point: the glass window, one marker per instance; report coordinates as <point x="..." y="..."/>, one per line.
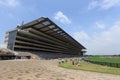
<point x="46" y="23"/>
<point x="52" y="26"/>
<point x="56" y="29"/>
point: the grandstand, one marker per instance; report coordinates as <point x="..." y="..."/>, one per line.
<point x="44" y="37"/>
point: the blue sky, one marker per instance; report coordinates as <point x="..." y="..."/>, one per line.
<point x="94" y="23"/>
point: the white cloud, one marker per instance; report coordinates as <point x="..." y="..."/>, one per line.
<point x="105" y="42"/>
<point x="59" y="16"/>
<point x="3" y="46"/>
<point x="104" y="4"/>
<point x="92" y="5"/>
<point x="81" y="36"/>
<point x="99" y="25"/>
<point x="9" y="3"/>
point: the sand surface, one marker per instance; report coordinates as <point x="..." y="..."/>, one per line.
<point x="46" y="70"/>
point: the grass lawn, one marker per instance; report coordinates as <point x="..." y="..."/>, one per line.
<point x="104" y="59"/>
<point x="91" y="67"/>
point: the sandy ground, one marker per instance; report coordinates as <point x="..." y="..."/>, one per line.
<point x="46" y="70"/>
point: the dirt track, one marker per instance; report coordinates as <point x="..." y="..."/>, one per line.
<point x="46" y="70"/>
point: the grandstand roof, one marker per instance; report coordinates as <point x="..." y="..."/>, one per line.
<point x="45" y="25"/>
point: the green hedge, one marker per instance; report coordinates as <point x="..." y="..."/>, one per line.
<point x="117" y="65"/>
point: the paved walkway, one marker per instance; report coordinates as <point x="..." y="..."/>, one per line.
<point x="46" y="70"/>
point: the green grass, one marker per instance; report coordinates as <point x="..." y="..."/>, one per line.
<point x="104" y="59"/>
<point x="91" y="67"/>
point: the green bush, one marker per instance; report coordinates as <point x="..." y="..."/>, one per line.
<point x="104" y="61"/>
